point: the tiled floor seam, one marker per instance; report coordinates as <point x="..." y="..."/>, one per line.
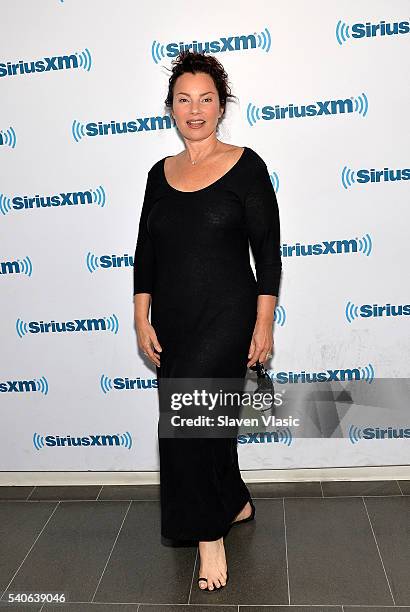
<point x="112" y="548"/>
<point x="29" y="550"/>
<point x="378" y="550"/>
<point x="286" y="548"/>
<point x="138" y="604"/>
<point x="321" y="488"/>
<point x="157" y="500"/>
<point x="30" y="493"/>
<point x="193" y="575"/>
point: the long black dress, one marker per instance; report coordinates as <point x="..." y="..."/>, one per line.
<point x="192" y="256"/>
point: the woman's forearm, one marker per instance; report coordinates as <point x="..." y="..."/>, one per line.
<point x="262" y="337"/>
<point x="142" y="303"/>
<point x="266" y="308"/>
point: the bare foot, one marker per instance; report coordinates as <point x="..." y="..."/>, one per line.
<point x="212" y="565"/>
<point x="244" y="513"/>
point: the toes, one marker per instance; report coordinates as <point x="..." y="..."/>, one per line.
<point x="215" y="583"/>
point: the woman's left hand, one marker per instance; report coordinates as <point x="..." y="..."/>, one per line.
<point x="262" y="342"/>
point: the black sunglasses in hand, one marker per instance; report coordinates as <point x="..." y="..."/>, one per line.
<point x="265" y="384"/>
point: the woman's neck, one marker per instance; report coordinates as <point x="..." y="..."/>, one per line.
<point x="196" y="151"/>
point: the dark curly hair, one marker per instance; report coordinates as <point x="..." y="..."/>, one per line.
<point x="193" y="61"/>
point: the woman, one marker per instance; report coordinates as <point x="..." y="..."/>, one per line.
<point x="209" y="316"/>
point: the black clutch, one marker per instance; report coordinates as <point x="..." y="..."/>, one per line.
<point x="264" y="387"/>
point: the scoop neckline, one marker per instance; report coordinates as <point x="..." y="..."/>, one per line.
<point x="245" y="149"/>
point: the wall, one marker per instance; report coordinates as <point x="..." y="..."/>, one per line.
<point x="341" y="174"/>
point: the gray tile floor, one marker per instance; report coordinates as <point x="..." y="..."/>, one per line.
<point x="314" y="545"/>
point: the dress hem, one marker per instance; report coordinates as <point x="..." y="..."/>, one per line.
<point x="209" y="538"/>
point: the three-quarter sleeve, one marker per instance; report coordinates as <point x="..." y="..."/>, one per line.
<point x="144" y="258"/>
<point x="263" y="229"/>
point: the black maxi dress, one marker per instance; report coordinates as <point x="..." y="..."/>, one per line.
<point x="192" y="256"/>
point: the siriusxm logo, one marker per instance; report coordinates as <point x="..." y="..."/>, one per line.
<point x="244" y="42"/>
<point x="283" y="436"/>
<point x="126" y="384"/>
<point x="279" y="315"/>
<point x="141" y="124"/>
<point x="124" y="439"/>
<point x="80" y="59"/>
<point x="77" y="325"/>
<point x="89" y="196"/>
<point x="359" y="373"/>
<point x="274" y="179"/>
<point x="365" y="175"/>
<point x="18" y="266"/>
<point x="103" y="262"/>
<point x="34" y="385"/>
<point x="377" y="433"/>
<point x="329" y="247"/>
<point x="345" y="31"/>
<point x="8" y="138"/>
<point x="352" y="311"/>
<point x="357" y="104"/>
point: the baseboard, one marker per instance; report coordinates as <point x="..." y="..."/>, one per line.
<point x="388" y="472"/>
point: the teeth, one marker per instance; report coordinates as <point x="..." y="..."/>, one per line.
<point x="197" y="121"/>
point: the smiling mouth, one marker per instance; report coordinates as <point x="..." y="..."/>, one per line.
<point x="196" y="123"/>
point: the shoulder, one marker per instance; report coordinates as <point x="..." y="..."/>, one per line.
<point x="250" y="156"/>
<point x="158" y="166"/>
<point x="155" y="171"/>
<point x="255" y="175"/>
<point x="257" y="170"/>
<point x="255" y="159"/>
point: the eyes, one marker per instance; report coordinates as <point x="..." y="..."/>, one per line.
<point x="204" y="99"/>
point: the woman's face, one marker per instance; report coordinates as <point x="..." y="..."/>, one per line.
<point x="196" y="107"/>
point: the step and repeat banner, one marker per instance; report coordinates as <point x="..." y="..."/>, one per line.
<point x="323" y="97"/>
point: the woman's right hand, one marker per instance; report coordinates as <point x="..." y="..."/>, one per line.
<point x="147" y="340"/>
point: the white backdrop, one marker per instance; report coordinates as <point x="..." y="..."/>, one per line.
<point x="61" y="262"/>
